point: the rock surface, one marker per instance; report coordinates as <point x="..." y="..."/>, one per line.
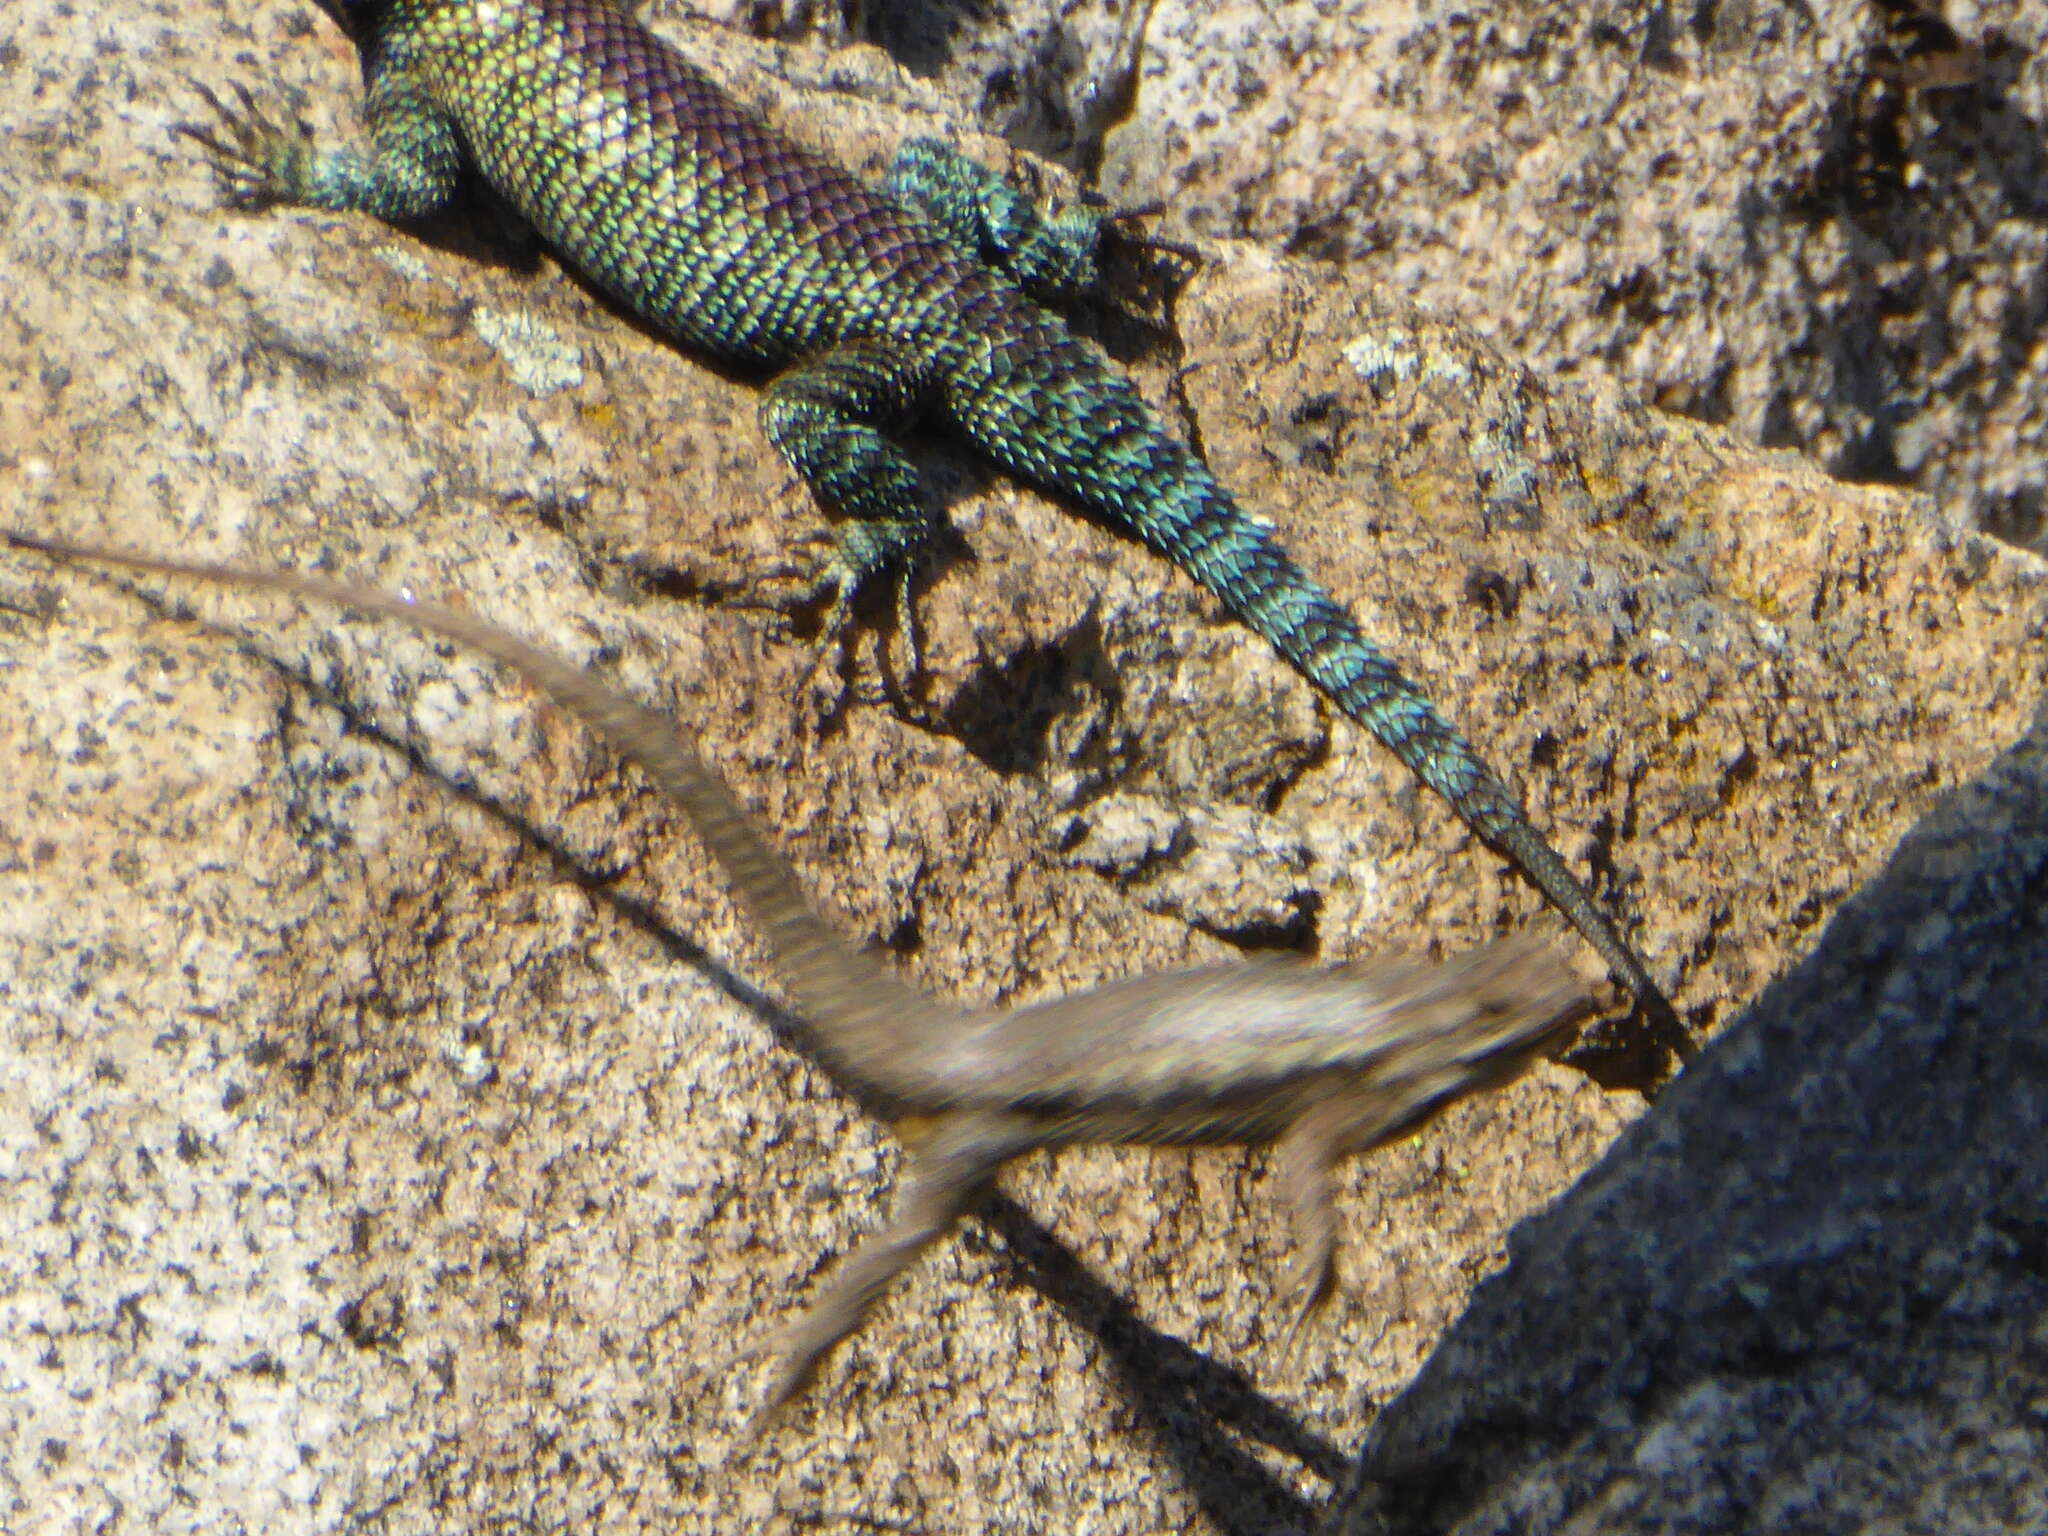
<point x="391" y="1125"/>
<point x="1810" y="1291"/>
<point x="1820" y="225"/>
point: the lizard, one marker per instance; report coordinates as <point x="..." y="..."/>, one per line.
<point x="1320" y="1062"/>
<point x="864" y="308"/>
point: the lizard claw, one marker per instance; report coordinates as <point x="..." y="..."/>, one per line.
<point x="256" y="161"/>
<point x="788" y="1376"/>
<point x="727" y="1361"/>
<point x="817" y="578"/>
<point x="778" y="609"/>
<point x="827" y="585"/>
<point x="785" y="595"/>
<point x="798" y="589"/>
<point x="1312" y="1279"/>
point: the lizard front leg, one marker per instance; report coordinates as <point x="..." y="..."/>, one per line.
<point x="412" y="167"/>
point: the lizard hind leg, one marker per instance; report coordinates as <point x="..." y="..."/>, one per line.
<point x="951" y="1166"/>
<point x="829" y="418"/>
<point x="1307" y="1154"/>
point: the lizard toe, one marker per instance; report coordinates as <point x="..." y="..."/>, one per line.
<point x="256" y="161"/>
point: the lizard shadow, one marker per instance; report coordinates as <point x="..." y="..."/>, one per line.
<point x="1201" y="1412"/>
<point x="1204" y="1415"/>
<point x="1940" y="144"/>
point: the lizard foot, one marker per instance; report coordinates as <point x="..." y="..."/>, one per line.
<point x="728" y="1361"/>
<point x="830" y="587"/>
<point x="1142" y="240"/>
<point x="256" y="161"/>
<point x="789" y="1374"/>
<point x="1312" y="1281"/>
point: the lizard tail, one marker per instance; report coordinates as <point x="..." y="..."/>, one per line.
<point x="1237" y="560"/>
<point x="857" y="1014"/>
<point x="1086" y="433"/>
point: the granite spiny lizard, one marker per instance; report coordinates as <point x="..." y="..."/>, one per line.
<point x="868" y="306"/>
<point x="1321" y="1062"/>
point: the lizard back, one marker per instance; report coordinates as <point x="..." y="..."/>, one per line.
<point x="643" y="173"/>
